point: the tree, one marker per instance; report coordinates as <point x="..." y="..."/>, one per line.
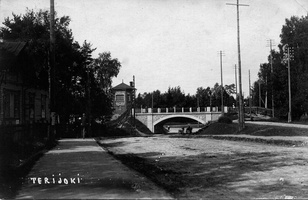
<point x="294" y="33"/>
<point x="78" y="75"/>
<point x="175" y="97"/>
<point x="204" y="95"/>
<point x="230" y="89"/>
<point x="33" y="29"/>
<point x="105" y="68"/>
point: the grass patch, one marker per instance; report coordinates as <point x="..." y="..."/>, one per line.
<point x="260" y="140"/>
<point x="252" y="129"/>
<point x="218" y="128"/>
<point x="140" y="126"/>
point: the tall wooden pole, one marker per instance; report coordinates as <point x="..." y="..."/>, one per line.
<point x="52" y="72"/>
<point x="235" y="86"/>
<point x="272" y="77"/>
<point x="249" y="96"/>
<point x="222" y="86"/>
<point x="241" y="121"/>
<point x="241" y="108"/>
<point x="289" y="83"/>
<point x="134" y="100"/>
<point x="89" y="116"/>
<point x="259" y="93"/>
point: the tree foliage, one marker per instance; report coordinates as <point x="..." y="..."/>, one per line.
<point x="175" y="97"/>
<point x="76" y="70"/>
<point x="294" y="33"/>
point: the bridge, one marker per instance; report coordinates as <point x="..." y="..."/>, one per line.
<point x="152" y="117"/>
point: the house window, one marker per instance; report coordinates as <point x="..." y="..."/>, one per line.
<point x="120" y="98"/>
<point x="31" y="105"/>
<point x="16" y="105"/>
<point x="11" y="104"/>
<point x="128" y="97"/>
<point x="43" y="106"/>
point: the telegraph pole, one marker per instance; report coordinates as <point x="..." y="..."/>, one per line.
<point x="222" y="86"/>
<point x="260" y="95"/>
<point x="134" y="101"/>
<point x="235" y="86"/>
<point x="272" y="74"/>
<point x="249" y="94"/>
<point x="289" y="81"/>
<point x="265" y="103"/>
<point x="241" y="106"/>
<point x="52" y="72"/>
<point x="89" y="115"/>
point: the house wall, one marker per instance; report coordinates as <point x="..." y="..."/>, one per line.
<point x="121" y="107"/>
<point x="22" y="106"/>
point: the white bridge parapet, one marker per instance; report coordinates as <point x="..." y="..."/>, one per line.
<point x="150" y="117"/>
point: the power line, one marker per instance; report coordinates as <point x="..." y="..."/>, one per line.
<point x="301" y="5"/>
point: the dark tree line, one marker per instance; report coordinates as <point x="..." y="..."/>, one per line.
<point x="175" y="97"/>
<point x="294" y="33"/>
<point x="83" y="83"/>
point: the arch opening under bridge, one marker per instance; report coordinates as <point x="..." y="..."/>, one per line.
<point x="175" y="123"/>
<point x="151" y="119"/>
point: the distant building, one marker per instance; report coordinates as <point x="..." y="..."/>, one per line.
<point x="123" y="98"/>
<point x="20" y="101"/>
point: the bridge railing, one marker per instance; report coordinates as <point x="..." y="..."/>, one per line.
<point x="180" y="110"/>
<point x="254" y="110"/>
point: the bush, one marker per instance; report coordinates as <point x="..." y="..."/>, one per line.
<point x="225" y="120"/>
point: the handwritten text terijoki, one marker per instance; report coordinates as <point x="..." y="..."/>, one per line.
<point x="55" y="180"/>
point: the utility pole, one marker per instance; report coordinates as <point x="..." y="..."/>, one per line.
<point x="241" y="106"/>
<point x="51" y="74"/>
<point x="89" y="117"/>
<point x="272" y="75"/>
<point x="259" y="93"/>
<point x="235" y="86"/>
<point x="222" y="86"/>
<point x="289" y="81"/>
<point x="134" y="101"/>
<point x="152" y="111"/>
<point x="265" y="103"/>
<point x="249" y="95"/>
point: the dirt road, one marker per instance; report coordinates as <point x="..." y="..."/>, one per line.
<point x="216" y="169"/>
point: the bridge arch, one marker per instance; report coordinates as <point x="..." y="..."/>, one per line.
<point x="176" y="116"/>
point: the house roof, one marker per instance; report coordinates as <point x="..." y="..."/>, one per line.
<point x="8" y="53"/>
<point x="12" y="47"/>
<point x="123" y="86"/>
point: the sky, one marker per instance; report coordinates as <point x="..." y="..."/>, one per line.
<point x="170" y="43"/>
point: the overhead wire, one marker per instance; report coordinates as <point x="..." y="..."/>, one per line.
<point x="301" y="5"/>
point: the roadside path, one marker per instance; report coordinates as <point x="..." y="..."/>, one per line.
<point x="81" y="169"/>
<point x="277" y="124"/>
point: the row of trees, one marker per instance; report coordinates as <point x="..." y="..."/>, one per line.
<point x="294" y="33"/>
<point x="78" y="75"/>
<point x="175" y="97"/>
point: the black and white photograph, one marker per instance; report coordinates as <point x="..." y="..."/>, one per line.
<point x="153" y="99"/>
